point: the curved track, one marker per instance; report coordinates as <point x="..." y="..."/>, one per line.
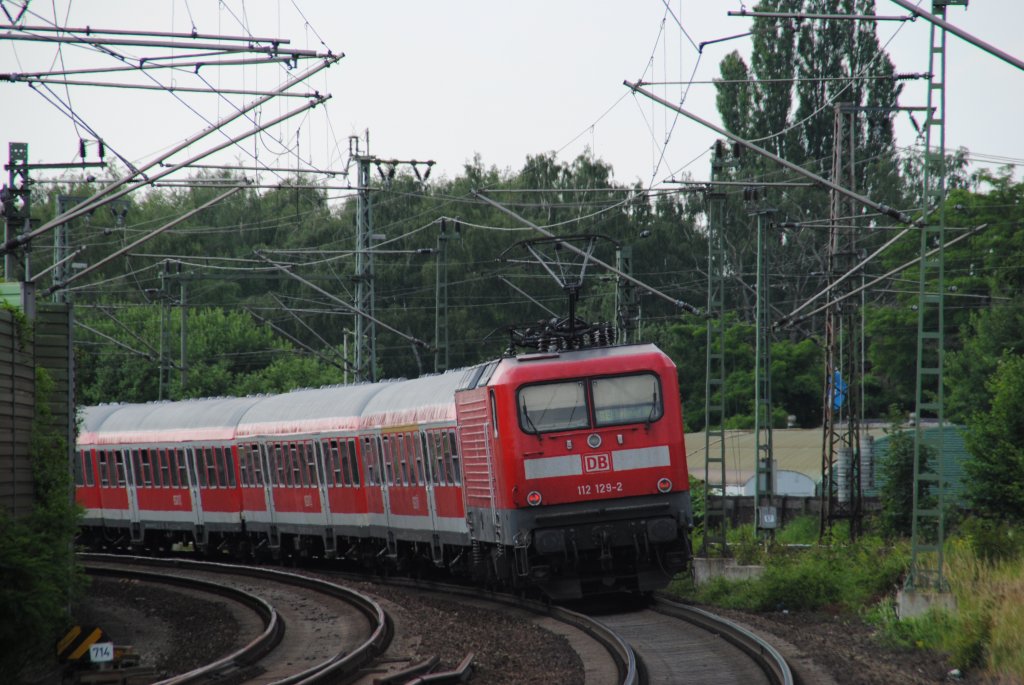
<point x="314" y="631"/>
<point x="679" y="644"/>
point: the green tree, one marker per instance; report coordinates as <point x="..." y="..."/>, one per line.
<point x="995" y="439"/>
<point x="896" y="473"/>
<point x="38" y="573"/>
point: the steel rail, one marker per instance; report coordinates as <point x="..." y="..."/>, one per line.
<point x="619" y="650"/>
<point x="335" y="669"/>
<point x="246" y="655"/>
<point x="767" y="657"/>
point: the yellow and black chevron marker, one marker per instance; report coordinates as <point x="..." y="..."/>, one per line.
<point x="76" y="643"/>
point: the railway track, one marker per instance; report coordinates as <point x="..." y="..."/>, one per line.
<point x="312" y="631"/>
<point x="675" y="643"/>
<point x="664" y="642"/>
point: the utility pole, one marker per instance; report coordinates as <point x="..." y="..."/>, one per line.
<point x="441" y="349"/>
<point x="366" y="332"/>
<point x="626" y="301"/>
<point x="714" y="386"/>
<point x="841" y="452"/>
<point x="928" y="527"/>
<point x="62" y="246"/>
<point x="764" y="462"/>
<point x="165" y="332"/>
<point x="365" y="299"/>
<point x="17" y="205"/>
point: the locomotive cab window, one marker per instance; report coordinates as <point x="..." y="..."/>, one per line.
<point x="627" y="399"/>
<point x="550" y="407"/>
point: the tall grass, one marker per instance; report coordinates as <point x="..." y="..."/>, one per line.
<point x="987" y="628"/>
<point x="837" y="577"/>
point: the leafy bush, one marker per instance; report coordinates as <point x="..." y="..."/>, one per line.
<point x="38" y="573"/>
<point x="987" y="628"/>
<point x="802" y="530"/>
<point x="834" y="578"/>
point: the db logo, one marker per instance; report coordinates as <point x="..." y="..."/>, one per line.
<point x="596" y="462"/>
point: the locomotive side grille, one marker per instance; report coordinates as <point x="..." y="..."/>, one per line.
<point x="473" y="434"/>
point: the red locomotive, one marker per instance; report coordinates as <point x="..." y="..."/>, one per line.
<point x="562" y="470"/>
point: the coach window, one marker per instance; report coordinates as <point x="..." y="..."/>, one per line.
<point x="79" y="470"/>
<point x="211" y="467"/>
<point x="403" y="458"/>
<point x="177" y="472"/>
<point x="165" y="468"/>
<point x="435" y="441"/>
<point x="417" y="449"/>
<point x="136" y="467"/>
<point x="180" y="456"/>
<point x="371" y="474"/>
<point x="316" y="476"/>
<point x="446" y="448"/>
<point x="150" y="467"/>
<point x="102" y="460"/>
<point x="342" y="467"/>
<point x="299" y="465"/>
<point x="255" y="466"/>
<point x="119" y="468"/>
<point x="172" y="469"/>
<point x="244" y="474"/>
<point x="352" y="465"/>
<point x="627" y="399"/>
<point x="229" y="461"/>
<point x="221" y="466"/>
<point x="87" y="472"/>
<point x="553" y="407"/>
<point x="456" y="470"/>
<point x="384" y="460"/>
<point x="278" y="467"/>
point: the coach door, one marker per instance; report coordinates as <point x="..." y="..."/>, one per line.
<point x="424" y="466"/>
<point x="323" y="470"/>
<point x="271" y="478"/>
<point x="193" y="491"/>
<point x="126" y="479"/>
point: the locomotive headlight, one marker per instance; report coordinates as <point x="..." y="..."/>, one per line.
<point x="594" y="440"/>
<point x="534" y="499"/>
<point x="664" y="485"/>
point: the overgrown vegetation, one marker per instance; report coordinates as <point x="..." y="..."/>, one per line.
<point x="38" y="574"/>
<point x="985" y="570"/>
<point x="837" y="577"/>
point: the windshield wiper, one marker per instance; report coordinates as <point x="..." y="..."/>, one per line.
<point x="654" y="406"/>
<point x="526" y="415"/>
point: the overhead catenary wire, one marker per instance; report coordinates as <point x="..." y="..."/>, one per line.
<point x="572" y="248"/>
<point x="110" y="193"/>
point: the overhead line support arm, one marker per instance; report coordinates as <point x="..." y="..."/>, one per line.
<point x="572" y="248"/>
<point x="902" y="217"/>
<point x="977" y="42"/>
<point x="97" y="199"/>
<point x="285" y="270"/>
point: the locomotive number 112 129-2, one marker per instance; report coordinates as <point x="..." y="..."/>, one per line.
<point x="599" y="488"/>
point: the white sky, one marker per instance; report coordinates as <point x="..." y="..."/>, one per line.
<point x="444" y="80"/>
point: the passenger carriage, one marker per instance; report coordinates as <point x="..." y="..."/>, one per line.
<point x="564" y="470"/>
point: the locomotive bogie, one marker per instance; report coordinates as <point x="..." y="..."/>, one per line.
<point x="564" y="471"/>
